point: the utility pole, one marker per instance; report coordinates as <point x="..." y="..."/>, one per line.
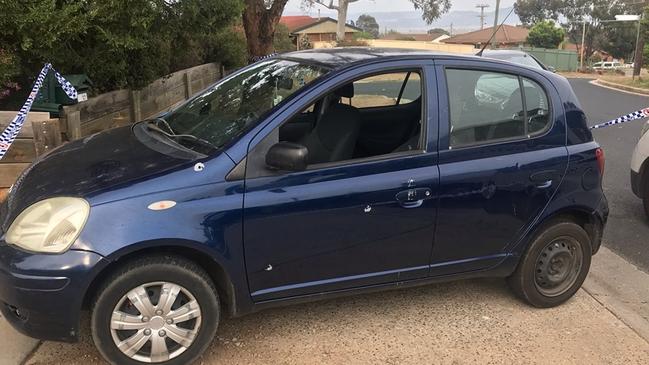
<point x="451" y="32"/>
<point x="639" y="50"/>
<point x="493" y="41"/>
<point x="482" y="16"/>
<point x="581" y="49"/>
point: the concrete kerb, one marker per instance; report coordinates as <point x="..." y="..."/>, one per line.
<point x="620" y="87"/>
<point x="622" y="289"/>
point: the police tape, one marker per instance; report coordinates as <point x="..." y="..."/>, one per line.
<point x="13" y="129"/>
<point x="644" y="113"/>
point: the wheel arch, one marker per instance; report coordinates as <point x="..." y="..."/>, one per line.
<point x="193" y="252"/>
<point x="643" y="175"/>
<point x="582" y="216"/>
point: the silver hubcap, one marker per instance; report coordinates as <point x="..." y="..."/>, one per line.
<point x="155" y="322"/>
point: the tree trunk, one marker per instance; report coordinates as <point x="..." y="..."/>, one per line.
<point x="259" y="25"/>
<point x="342" y="19"/>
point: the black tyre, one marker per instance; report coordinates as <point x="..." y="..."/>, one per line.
<point x="645" y="200"/>
<point x="554" y="265"/>
<point x="161" y="309"/>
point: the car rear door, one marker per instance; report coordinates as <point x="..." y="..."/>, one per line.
<point x="356" y="223"/>
<point x="502" y="157"/>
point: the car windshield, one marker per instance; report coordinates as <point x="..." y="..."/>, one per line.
<point x="223" y="111"/>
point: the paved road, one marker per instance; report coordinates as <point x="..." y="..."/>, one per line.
<point x="627" y="232"/>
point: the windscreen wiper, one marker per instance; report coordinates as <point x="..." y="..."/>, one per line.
<point x="152" y="125"/>
<point x="157" y="120"/>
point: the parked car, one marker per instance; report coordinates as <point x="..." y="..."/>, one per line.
<point x="606" y="66"/>
<point x="304" y="176"/>
<point x="640" y="168"/>
<point x="520" y="57"/>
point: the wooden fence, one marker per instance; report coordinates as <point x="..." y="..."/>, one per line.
<point x="116" y="108"/>
<point x="123" y="107"/>
<point x="38" y="135"/>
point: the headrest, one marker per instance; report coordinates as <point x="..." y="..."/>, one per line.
<point x="346" y="91"/>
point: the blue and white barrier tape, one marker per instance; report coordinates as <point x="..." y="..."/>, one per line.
<point x="13" y="129"/>
<point x="644" y="113"/>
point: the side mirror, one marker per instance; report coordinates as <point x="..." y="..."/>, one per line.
<point x="552" y="69"/>
<point x="287" y="156"/>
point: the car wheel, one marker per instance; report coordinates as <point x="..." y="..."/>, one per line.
<point x="162" y="309"/>
<point x="554" y="266"/>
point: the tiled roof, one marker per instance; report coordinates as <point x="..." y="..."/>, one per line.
<point x="507" y="34"/>
<point x="297" y="21"/>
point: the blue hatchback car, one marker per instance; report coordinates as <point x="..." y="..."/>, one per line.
<point x="304" y="176"/>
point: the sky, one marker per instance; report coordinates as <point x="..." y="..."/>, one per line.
<point x="369" y="6"/>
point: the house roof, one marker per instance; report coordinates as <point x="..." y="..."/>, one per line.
<point x="304" y="28"/>
<point x="426" y="37"/>
<point x="301" y="24"/>
<point x="297" y="21"/>
<point x="507" y="34"/>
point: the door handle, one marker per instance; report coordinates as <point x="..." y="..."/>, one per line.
<point x="543" y="179"/>
<point x="543" y="176"/>
<point x="413" y="198"/>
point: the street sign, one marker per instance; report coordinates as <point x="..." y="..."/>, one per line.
<point x="627" y="18"/>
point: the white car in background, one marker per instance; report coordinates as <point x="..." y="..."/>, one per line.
<point x="640" y="168"/>
<point x="606" y="66"/>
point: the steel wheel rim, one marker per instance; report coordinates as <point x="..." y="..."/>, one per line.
<point x="558" y="266"/>
<point x="152" y="333"/>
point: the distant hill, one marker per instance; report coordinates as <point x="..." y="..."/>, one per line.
<point x="411" y="22"/>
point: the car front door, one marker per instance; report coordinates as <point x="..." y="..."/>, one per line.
<point x="339" y="225"/>
<point x="502" y="157"/>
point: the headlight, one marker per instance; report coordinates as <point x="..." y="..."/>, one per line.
<point x="49" y="226"/>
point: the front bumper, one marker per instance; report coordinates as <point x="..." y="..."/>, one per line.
<point x="42" y="295"/>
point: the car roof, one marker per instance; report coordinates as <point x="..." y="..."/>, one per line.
<point x="512" y="52"/>
<point x="339" y="57"/>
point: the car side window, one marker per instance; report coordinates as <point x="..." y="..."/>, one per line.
<point x="489" y="106"/>
<point x="385" y="90"/>
<point x="384" y="118"/>
<point x="537" y="107"/>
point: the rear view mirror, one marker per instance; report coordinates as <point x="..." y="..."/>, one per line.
<point x="287" y="156"/>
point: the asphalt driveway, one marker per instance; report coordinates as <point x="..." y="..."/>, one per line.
<point x="627" y="231"/>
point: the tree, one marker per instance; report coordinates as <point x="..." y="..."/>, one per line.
<point x="431" y="10"/>
<point x="8" y="70"/>
<point x="620" y="40"/>
<point x="368" y="24"/>
<point x="118" y="44"/>
<point x="593" y="12"/>
<point x="438" y="31"/>
<point x="282" y="41"/>
<point x="545" y="34"/>
<point x="572" y="14"/>
<point x="533" y="11"/>
<point x="260" y="19"/>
